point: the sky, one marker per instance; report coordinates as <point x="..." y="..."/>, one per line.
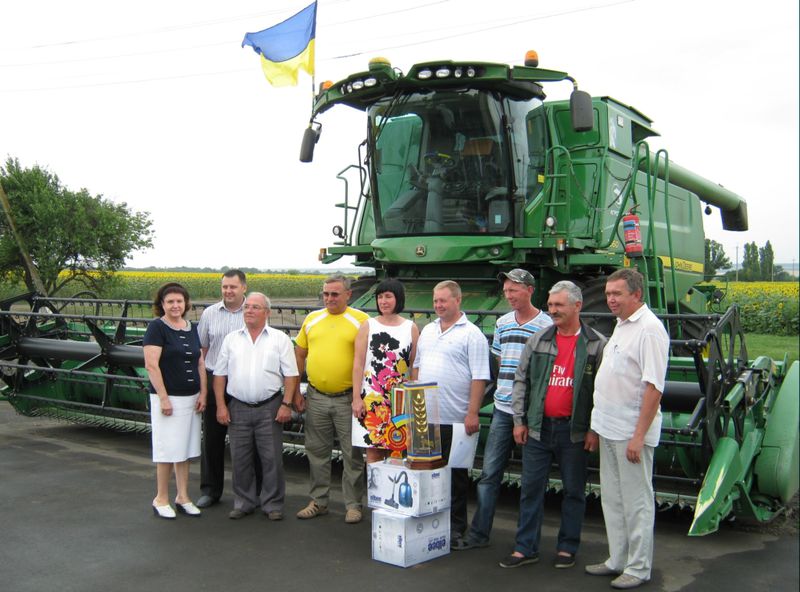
<point x="155" y="104"/>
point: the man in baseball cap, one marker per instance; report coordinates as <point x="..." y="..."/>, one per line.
<point x="510" y="335"/>
<point x="518" y="276"/>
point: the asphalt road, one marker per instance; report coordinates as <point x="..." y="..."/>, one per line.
<point x="75" y="516"/>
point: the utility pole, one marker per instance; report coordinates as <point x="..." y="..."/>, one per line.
<point x="26" y="257"/>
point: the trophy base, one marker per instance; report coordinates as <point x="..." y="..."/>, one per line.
<point x="425" y="464"/>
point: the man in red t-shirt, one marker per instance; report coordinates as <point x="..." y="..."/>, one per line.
<point x="552" y="405"/>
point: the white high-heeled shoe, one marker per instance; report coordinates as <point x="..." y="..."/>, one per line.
<point x="165" y="512"/>
<point x="189" y="509"/>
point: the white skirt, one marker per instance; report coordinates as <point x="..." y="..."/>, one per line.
<point x="176" y="437"/>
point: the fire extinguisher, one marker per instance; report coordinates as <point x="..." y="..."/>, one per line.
<point x="632" y="234"/>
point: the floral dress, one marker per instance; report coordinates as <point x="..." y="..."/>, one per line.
<point x="386" y="364"/>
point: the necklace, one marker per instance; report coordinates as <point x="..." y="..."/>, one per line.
<point x="173" y="325"/>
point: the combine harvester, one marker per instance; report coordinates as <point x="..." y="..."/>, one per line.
<point x="465" y="172"/>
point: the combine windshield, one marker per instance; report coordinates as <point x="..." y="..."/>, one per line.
<point x="442" y="164"/>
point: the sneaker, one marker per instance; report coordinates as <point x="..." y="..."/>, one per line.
<point x="626" y="582"/>
<point x="274" y="515"/>
<point x="514" y="561"/>
<point x="312" y="510"/>
<point x="600" y="569"/>
<point x="353" y="516"/>
<point x="461" y="544"/>
<point x="564" y="561"/>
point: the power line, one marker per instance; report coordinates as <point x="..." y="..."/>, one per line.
<point x="484" y="29"/>
<point x="503" y="24"/>
<point x="124" y="82"/>
<point x="189" y="26"/>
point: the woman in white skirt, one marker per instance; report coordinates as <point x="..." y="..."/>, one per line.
<point x="178" y="391"/>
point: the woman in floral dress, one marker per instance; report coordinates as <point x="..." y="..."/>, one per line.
<point x="384" y="353"/>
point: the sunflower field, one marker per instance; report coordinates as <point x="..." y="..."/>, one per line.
<point x="142" y="285"/>
<point x="770" y="308"/>
<point x="205" y="286"/>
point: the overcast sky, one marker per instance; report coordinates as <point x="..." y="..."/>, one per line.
<point x="155" y="104"/>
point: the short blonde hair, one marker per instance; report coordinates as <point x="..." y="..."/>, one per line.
<point x="454" y="288"/>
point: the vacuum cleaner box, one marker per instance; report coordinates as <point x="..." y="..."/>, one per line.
<point x="410" y="492"/>
<point x="408" y="540"/>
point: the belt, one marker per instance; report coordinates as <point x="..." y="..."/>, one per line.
<point x="562" y="419"/>
<point x="259" y="403"/>
<point x="348" y="391"/>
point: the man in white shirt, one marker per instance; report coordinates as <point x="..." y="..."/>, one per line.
<point x="254" y="363"/>
<point x="454" y="353"/>
<point x="627" y="417"/>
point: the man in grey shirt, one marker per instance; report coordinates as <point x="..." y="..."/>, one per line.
<point x="216" y="322"/>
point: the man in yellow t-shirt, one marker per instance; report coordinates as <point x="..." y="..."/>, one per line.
<point x="324" y="349"/>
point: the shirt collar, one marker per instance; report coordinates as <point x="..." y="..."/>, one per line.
<point x="636" y="315"/>
<point x="460" y="321"/>
<point x="221" y="306"/>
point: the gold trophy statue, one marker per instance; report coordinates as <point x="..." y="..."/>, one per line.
<point x="424" y="441"/>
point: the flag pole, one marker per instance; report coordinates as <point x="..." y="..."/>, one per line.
<point x="314" y="68"/>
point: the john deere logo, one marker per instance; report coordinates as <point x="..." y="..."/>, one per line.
<point x="421" y="250"/>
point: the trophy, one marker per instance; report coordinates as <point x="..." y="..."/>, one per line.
<point x="424" y="439"/>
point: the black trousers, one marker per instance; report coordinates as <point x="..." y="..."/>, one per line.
<point x="459" y="487"/>
<point x="212" y="460"/>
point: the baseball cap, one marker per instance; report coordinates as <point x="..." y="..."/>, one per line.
<point x="519" y="276"/>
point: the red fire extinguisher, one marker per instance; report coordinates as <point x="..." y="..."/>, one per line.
<point x="632" y="234"/>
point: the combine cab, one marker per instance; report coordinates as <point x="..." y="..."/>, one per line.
<point x="467" y="171"/>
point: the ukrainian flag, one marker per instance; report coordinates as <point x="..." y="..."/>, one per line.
<point x="287" y="47"/>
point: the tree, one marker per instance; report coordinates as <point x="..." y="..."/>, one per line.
<point x="715" y="259"/>
<point x="751" y="267"/>
<point x="766" y="260"/>
<point x="72" y="237"/>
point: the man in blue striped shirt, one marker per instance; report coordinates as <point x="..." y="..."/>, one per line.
<point x="510" y="335"/>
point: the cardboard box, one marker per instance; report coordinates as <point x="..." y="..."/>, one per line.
<point x="408" y="540"/>
<point x="410" y="492"/>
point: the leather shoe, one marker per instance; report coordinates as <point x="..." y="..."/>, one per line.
<point x="600" y="569"/>
<point x="237" y="514"/>
<point x="206" y="501"/>
<point x="626" y="582"/>
<point x="165" y="512"/>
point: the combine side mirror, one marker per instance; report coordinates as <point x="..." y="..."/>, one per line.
<point x="310" y="137"/>
<point x="580" y="106"/>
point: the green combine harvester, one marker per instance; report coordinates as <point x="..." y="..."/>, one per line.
<point x="465" y="172"/>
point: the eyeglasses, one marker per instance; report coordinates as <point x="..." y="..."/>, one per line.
<point x="254" y="307"/>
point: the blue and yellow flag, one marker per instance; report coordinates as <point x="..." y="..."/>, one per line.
<point x="287" y="47"/>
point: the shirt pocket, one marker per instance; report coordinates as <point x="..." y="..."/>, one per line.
<point x="271" y="364"/>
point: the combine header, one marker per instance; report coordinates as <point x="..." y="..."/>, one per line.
<point x="466" y="171"/>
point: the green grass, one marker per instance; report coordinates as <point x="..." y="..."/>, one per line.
<point x="774" y="346"/>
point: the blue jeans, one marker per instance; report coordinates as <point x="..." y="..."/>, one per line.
<point x="537" y="457"/>
<point x="498" y="448"/>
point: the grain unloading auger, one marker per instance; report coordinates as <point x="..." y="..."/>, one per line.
<point x="729" y="439"/>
